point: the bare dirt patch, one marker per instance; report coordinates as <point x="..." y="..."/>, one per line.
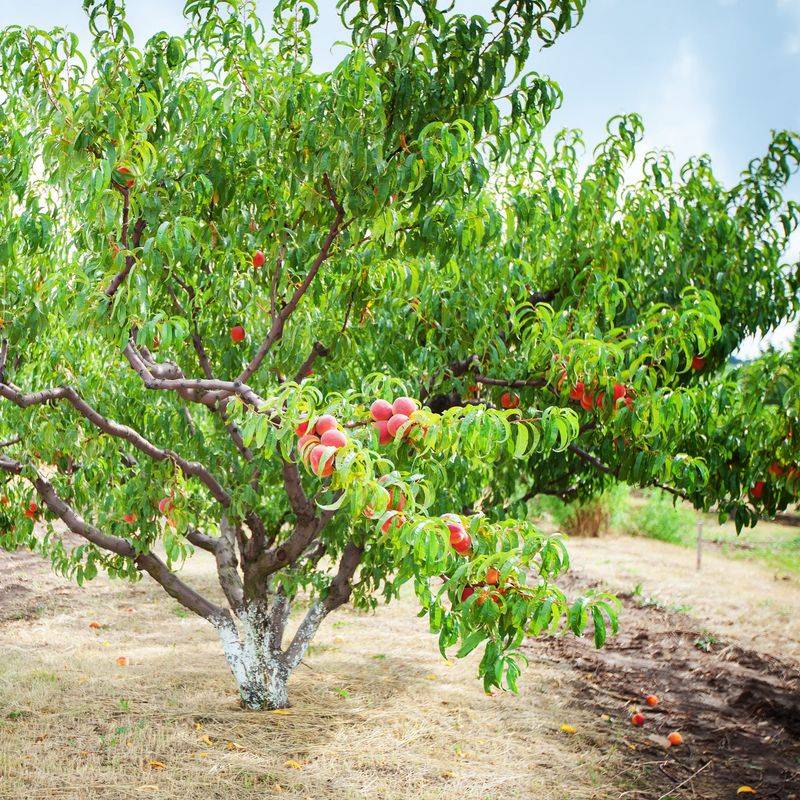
<point x="737" y="709"/>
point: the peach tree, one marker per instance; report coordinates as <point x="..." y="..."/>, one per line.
<point x="336" y="329"/>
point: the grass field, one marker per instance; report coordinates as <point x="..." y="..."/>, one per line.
<point x="377" y="713"/>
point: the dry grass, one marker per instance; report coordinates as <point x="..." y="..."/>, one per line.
<point x="376" y="714"/>
<point x="743" y="600"/>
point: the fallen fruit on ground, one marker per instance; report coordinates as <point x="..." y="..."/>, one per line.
<point x="675" y="739"/>
<point x="637" y="719"/>
<point x="651" y="700"/>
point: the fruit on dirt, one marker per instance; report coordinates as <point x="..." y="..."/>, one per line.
<point x="675" y="739"/>
<point x="237" y="333"/>
<point x="258" y="259"/>
<point x="509" y="400"/>
<point x="381" y="410"/>
<point x="327" y="422"/>
<point x="165" y="505"/>
<point x="492" y="576"/>
<point x="319" y="453"/>
<point x="637" y="719"/>
<point x="651" y="700"/>
<point x="129" y="518"/>
<point x="757" y="490"/>
<point x="333" y="438"/>
<point x="404" y="405"/>
<point x="384" y="437"/>
<point x="395" y="423"/>
<point x="698" y="362"/>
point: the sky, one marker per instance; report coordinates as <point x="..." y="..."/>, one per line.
<point x="708" y="76"/>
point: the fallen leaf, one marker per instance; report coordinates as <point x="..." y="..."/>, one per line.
<point x="568" y="728"/>
<point x="41" y="737"/>
<point x="292" y="764"/>
<point x="431" y="677"/>
<point x="122" y="661"/>
<point x="448" y="774"/>
<point x="234" y="746"/>
<point x="282" y="711"/>
<point x="206" y="740"/>
<point x="156" y="764"/>
<point x="95" y="626"/>
<point x="745" y="790"/>
<point x="147" y="787"/>
<point x="198" y="726"/>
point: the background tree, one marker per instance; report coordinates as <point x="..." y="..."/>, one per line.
<point x="215" y="259"/>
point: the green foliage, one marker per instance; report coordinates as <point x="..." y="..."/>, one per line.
<point x="419" y="238"/>
<point x="660" y="518"/>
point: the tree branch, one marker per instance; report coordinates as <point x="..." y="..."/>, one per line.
<point x="279" y="320"/>
<point x="138" y="229"/>
<point x="189" y="468"/>
<point x="317" y="349"/>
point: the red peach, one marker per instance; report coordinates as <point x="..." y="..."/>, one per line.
<point x="258" y="259"/>
<point x="577" y="392"/>
<point x="4" y="501"/>
<point x="775" y="469"/>
<point x="129" y="518"/>
<point x="381" y="410"/>
<point x="305" y="441"/>
<point x="301" y="429"/>
<point x="637" y="720"/>
<point x="587" y="401"/>
<point x="698" y="362"/>
<point x="125" y="171"/>
<point x="165" y="505"/>
<point x="509" y="400"/>
<point x="237" y="333"/>
<point x="651" y="700"/>
<point x="467" y="592"/>
<point x="395" y="521"/>
<point x="333" y="438"/>
<point x="319" y="452"/>
<point x="600" y="399"/>
<point x="459" y="538"/>
<point x="675" y="739"/>
<point x="619" y="392"/>
<point x="384" y="437"/>
<point x="492" y="576"/>
<point x="404" y="405"/>
<point x="757" y="490"/>
<point x="326" y="422"/>
<point x="395" y="423"/>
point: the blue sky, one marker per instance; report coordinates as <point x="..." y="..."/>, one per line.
<point x="709" y="76"/>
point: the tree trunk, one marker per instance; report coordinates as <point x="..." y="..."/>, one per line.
<point x="260" y="672"/>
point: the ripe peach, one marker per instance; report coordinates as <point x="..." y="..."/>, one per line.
<point x="127" y="183"/>
<point x="600" y="399"/>
<point x="129" y="518"/>
<point x="301" y="429"/>
<point x="381" y="410"/>
<point x="637" y="719"/>
<point x="651" y="700"/>
<point x="619" y="392"/>
<point x="404" y="406"/>
<point x="165" y="505"/>
<point x="757" y="490"/>
<point x="305" y="442"/>
<point x="492" y="576"/>
<point x="698" y="362"/>
<point x="675" y="739"/>
<point x="459" y="538"/>
<point x="577" y="392"/>
<point x="467" y="592"/>
<point x="237" y="333"/>
<point x="587" y="401"/>
<point x="395" y="423"/>
<point x="31" y="511"/>
<point x="384" y="437"/>
<point x="4" y="501"/>
<point x="395" y="521"/>
<point x="333" y="438"/>
<point x="775" y="469"/>
<point x="509" y="400"/>
<point x="326" y="422"/>
<point x="258" y="259"/>
<point x="319" y="452"/>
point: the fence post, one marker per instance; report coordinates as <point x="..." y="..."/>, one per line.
<point x="699" y="543"/>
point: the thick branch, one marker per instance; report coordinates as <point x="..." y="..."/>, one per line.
<point x="189" y="468"/>
<point x="279" y="319"/>
<point x="317" y="349"/>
